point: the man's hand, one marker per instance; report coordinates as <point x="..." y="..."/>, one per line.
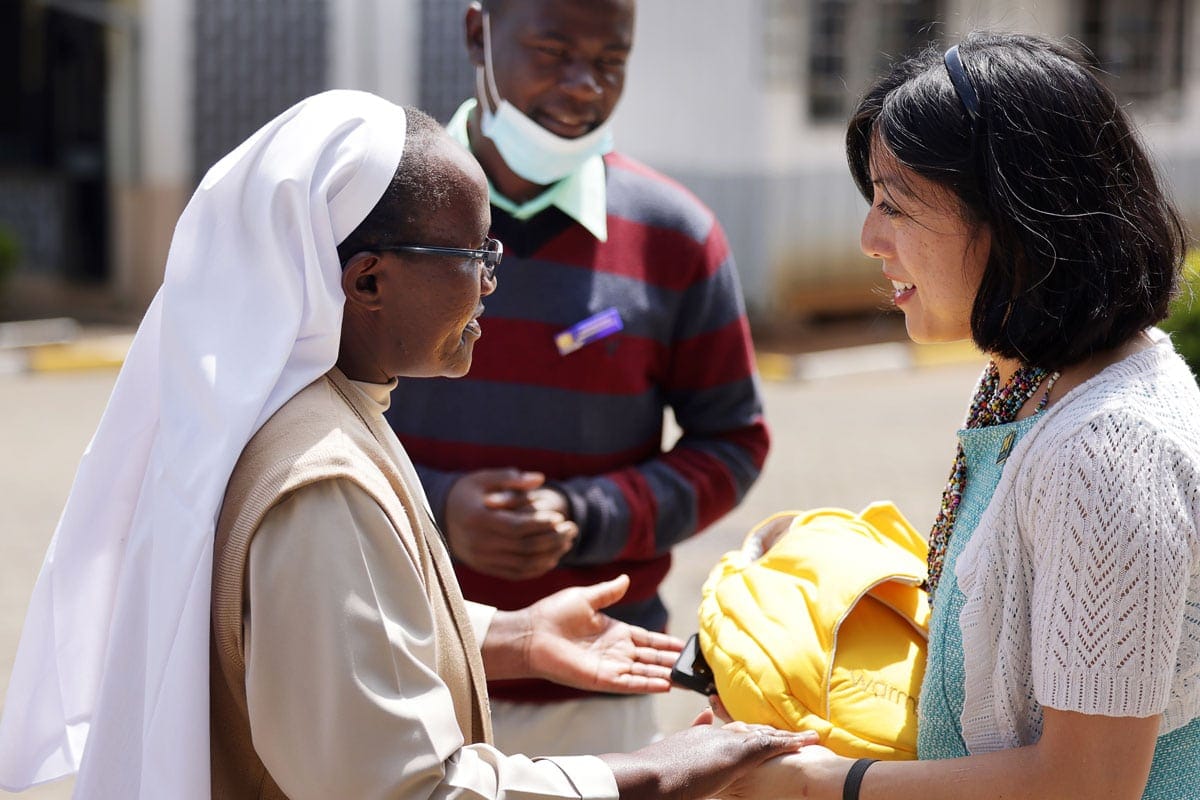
<point x="707" y="761"/>
<point x="564" y="638"/>
<point x="507" y="523"/>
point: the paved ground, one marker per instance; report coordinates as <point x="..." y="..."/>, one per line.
<point x="839" y="440"/>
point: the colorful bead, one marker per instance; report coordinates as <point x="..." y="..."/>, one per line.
<point x="991" y="405"/>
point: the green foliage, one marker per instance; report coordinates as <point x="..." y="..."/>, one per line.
<point x="1184" y="322"/>
<point x="10" y="254"/>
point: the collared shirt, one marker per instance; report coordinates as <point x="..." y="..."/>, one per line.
<point x="581" y="195"/>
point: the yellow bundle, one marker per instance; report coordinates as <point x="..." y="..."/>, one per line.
<point x="825" y="631"/>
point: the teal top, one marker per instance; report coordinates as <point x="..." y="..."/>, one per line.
<point x="1175" y="771"/>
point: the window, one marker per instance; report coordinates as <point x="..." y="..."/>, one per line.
<point x="783" y="42"/>
<point x="252" y="60"/>
<point x="846" y="44"/>
<point x="447" y="77"/>
<point x="53" y="138"/>
<point x="1139" y="45"/>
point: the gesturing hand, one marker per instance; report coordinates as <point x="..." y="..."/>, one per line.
<point x="564" y="638"/>
<point x="506" y="523"/>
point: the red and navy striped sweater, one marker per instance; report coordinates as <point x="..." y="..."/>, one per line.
<point x="592" y="420"/>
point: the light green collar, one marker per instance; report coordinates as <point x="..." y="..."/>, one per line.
<point x="581" y="195"/>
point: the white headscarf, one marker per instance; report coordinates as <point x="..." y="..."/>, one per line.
<point x="111" y="676"/>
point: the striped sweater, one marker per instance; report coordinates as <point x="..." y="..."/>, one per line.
<point x="592" y="420"/>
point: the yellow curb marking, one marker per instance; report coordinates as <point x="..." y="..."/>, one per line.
<point x="66" y="357"/>
<point x="776" y="366"/>
<point x="935" y="355"/>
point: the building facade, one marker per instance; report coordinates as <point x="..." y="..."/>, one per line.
<point x="746" y="103"/>
<point x="111" y="111"/>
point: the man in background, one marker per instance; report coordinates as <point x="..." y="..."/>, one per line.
<point x="545" y="466"/>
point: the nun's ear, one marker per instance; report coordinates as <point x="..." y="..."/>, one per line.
<point x="360" y="282"/>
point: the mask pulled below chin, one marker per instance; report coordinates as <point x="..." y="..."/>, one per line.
<point x="529" y="150"/>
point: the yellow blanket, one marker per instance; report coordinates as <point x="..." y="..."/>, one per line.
<point x="826" y="630"/>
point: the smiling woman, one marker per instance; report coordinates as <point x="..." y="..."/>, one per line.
<point x="934" y="257"/>
<point x="1012" y="204"/>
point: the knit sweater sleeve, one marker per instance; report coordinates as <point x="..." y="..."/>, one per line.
<point x="1111" y="529"/>
<point x="710" y="383"/>
<point x="437" y="484"/>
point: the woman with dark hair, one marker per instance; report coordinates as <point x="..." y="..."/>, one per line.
<point x="1012" y="203"/>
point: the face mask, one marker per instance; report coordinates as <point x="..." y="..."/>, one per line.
<point x="529" y="150"/>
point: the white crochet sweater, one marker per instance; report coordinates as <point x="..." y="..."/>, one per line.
<point x="1082" y="580"/>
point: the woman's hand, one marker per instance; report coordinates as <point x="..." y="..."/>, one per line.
<point x="702" y="761"/>
<point x="813" y="773"/>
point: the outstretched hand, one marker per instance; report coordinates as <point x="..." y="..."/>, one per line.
<point x="566" y="639"/>
<point x="573" y="643"/>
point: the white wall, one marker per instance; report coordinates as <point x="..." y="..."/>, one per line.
<point x="1051" y="17"/>
<point x="694" y="96"/>
<point x="150" y="125"/>
<point x="373" y="45"/>
<point x="166" y="102"/>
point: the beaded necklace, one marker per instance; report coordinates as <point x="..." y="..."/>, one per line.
<point x="991" y="405"/>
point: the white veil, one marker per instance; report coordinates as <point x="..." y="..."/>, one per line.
<point x="111" y="676"/>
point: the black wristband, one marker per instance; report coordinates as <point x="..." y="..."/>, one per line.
<point x="854" y="778"/>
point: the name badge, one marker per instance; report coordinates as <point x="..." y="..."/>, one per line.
<point x="592" y="329"/>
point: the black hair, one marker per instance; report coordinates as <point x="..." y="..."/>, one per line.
<point x="421" y="187"/>
<point x="1086" y="245"/>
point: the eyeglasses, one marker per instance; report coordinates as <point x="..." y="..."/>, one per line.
<point x="488" y="256"/>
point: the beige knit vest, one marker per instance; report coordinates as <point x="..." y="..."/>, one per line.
<point x="327" y="431"/>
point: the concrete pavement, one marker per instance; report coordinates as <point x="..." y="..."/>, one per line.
<point x="866" y="425"/>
